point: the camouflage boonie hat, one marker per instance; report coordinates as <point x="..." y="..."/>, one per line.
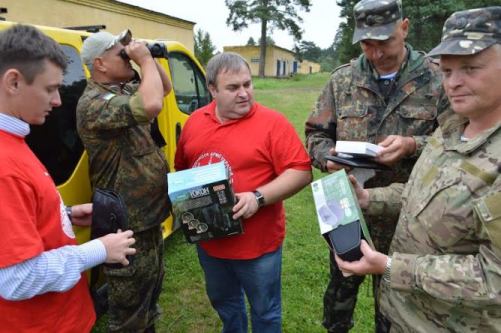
<point x="470" y="31"/>
<point x="376" y="19"/>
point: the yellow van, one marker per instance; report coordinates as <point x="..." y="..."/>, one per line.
<point x="56" y="143"/>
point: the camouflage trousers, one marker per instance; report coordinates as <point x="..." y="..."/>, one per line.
<point x="134" y="290"/>
<point x="340" y="296"/>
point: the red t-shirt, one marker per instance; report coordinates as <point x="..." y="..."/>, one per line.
<point x="32" y="220"/>
<point x="257" y="148"/>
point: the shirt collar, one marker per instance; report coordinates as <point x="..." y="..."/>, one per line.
<point x="210" y="111"/>
<point x="14" y="125"/>
<point x="453" y="126"/>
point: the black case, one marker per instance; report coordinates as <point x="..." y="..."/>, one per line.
<point x="345" y="241"/>
<point x="109" y="214"/>
<point x="357" y="162"/>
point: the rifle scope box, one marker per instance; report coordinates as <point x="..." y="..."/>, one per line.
<point x="202" y="202"/>
<point x="339" y="216"/>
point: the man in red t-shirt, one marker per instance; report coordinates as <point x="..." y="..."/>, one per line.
<point x="42" y="288"/>
<point x="267" y="164"/>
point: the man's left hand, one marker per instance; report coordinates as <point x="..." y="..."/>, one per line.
<point x="372" y="262"/>
<point x="395" y="148"/>
<point x="81" y="215"/>
<point x="246" y="205"/>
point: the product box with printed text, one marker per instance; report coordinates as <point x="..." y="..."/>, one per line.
<point x="339" y="216"/>
<point x="202" y="201"/>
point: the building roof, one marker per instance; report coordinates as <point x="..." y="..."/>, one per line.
<point x="257" y="46"/>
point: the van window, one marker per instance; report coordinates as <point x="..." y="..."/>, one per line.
<point x="56" y="142"/>
<point x="188" y="83"/>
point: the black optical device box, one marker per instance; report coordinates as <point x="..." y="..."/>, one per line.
<point x="202" y="202"/>
<point x="339" y="216"/>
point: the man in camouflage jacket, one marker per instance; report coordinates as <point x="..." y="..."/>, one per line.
<point x="444" y="269"/>
<point x="388" y="95"/>
<point x="113" y="120"/>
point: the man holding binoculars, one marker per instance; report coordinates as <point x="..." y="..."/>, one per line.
<point x="114" y="115"/>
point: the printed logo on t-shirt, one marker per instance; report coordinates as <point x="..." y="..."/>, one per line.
<point x="212" y="158"/>
<point x="65" y="221"/>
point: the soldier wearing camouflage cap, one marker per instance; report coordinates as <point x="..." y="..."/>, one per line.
<point x="388" y="95"/>
<point x="114" y="118"/>
<point x="443" y="273"/>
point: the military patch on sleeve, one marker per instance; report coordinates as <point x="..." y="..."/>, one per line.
<point x="108" y="96"/>
<point x="489" y="212"/>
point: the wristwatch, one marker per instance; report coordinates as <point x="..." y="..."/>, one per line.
<point x="387" y="271"/>
<point x="68" y="211"/>
<point x="259" y="199"/>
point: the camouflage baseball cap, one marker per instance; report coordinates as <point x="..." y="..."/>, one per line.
<point x="376" y="19"/>
<point x="470" y="31"/>
<point x="98" y="43"/>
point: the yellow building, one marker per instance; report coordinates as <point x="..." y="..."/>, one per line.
<point x="308" y="67"/>
<point x="116" y="16"/>
<point x="279" y="62"/>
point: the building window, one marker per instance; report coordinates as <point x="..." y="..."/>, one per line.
<point x="255" y="60"/>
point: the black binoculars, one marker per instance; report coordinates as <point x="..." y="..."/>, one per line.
<point x="157" y="50"/>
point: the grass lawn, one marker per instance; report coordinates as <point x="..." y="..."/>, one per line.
<point x="305" y="270"/>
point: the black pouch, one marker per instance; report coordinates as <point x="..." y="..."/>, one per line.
<point x="345" y="241"/>
<point x="109" y="214"/>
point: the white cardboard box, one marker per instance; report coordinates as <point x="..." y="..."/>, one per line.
<point x="357" y="148"/>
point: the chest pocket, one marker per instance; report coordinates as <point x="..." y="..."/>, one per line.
<point x="488" y="209"/>
<point x="416" y="117"/>
<point x="441" y="208"/>
<point x="353" y="122"/>
<point x="427" y="192"/>
<point x="423" y="111"/>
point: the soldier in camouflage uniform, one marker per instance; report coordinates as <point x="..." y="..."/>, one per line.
<point x="388" y="95"/>
<point x="444" y="269"/>
<point x="113" y="120"/>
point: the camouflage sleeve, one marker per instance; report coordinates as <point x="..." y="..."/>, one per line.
<point x="472" y="279"/>
<point x="320" y="127"/>
<point x="421" y="141"/>
<point x="137" y="108"/>
<point x="385" y="201"/>
<point x="110" y="111"/>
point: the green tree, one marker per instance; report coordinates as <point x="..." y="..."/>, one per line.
<point x="427" y="17"/>
<point x="269" y="41"/>
<point x="204" y="49"/>
<point x="309" y="51"/>
<point x="251" y="42"/>
<point x="270" y="14"/>
<point x="345" y="49"/>
<point x="328" y="58"/>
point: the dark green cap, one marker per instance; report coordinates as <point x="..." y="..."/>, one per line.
<point x="376" y="19"/>
<point x="470" y="31"/>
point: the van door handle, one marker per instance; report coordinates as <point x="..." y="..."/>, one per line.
<point x="178" y="132"/>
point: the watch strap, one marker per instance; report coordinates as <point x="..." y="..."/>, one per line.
<point x="387" y="271"/>
<point x="259" y="198"/>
